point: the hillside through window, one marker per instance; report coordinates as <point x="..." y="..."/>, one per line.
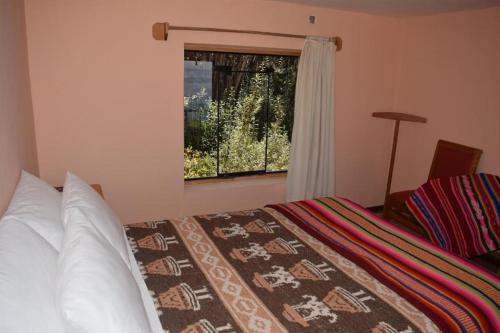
<point x="238" y="113"/>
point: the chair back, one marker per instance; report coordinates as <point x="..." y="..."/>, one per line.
<point x="453" y="159"/>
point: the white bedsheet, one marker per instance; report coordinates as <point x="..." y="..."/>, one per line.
<point x="149" y="305"/>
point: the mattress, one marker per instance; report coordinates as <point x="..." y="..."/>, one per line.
<point x="324" y="265"/>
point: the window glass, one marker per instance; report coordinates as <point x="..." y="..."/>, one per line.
<point x="238" y="113"/>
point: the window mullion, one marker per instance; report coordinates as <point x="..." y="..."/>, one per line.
<point x="267" y="120"/>
<point x="218" y="123"/>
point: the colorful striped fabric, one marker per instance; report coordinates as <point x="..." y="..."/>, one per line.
<point x="456" y="295"/>
<point x="460" y="214"/>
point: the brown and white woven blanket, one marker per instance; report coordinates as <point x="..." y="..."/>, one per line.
<point x="271" y="270"/>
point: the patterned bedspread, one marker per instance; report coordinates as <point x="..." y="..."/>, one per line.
<point x="322" y="265"/>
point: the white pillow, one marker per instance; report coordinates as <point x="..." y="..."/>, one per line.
<point x="38" y="205"/>
<point x="96" y="291"/>
<point x="28" y="266"/>
<point x="78" y="194"/>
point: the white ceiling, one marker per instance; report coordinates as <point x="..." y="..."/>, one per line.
<point x="399" y="7"/>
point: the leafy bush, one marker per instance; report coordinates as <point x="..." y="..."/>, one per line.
<point x="199" y="164"/>
<point x="241" y="118"/>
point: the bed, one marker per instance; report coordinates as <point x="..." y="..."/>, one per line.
<point x="324" y="265"/>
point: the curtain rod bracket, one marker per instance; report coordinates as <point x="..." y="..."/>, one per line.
<point x="160" y="32"/>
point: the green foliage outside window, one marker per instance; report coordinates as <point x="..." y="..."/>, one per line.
<point x="252" y="109"/>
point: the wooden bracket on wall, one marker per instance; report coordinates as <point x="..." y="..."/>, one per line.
<point x="338" y="43"/>
<point x="160" y="31"/>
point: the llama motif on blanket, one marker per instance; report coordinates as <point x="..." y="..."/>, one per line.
<point x="235" y="229"/>
<point x="276" y="246"/>
<point x="384" y="327"/>
<point x="205" y="326"/>
<point x="148" y="225"/>
<point x="183" y="297"/>
<point x="337" y="300"/>
<point x="166" y="266"/>
<point x="157" y="242"/>
<point x="303" y="270"/>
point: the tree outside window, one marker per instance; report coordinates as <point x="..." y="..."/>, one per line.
<point x="238" y="113"/>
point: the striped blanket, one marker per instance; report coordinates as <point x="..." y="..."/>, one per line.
<point x="460" y="214"/>
<point x="322" y="265"/>
<point x="455" y="294"/>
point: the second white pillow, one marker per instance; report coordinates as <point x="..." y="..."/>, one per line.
<point x="78" y="194"/>
<point x="96" y="292"/>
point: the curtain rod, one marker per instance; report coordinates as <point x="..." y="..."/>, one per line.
<point x="160" y="32"/>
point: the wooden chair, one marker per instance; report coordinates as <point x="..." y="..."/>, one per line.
<point x="450" y="159"/>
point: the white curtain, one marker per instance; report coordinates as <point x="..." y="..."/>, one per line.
<point x="311" y="169"/>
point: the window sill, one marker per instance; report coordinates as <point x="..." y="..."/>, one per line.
<point x="232" y="180"/>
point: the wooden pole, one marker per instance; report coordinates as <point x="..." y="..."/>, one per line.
<point x="391" y="164"/>
<point x="161" y="29"/>
<point x="398" y="117"/>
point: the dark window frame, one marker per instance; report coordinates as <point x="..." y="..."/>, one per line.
<point x="231" y="175"/>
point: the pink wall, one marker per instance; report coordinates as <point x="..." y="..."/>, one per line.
<point x="17" y="137"/>
<point x="450" y="73"/>
<point x="108" y="99"/>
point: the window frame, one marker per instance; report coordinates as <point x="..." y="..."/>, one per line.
<point x="194" y="47"/>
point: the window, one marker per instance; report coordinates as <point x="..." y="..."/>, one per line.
<point x="238" y="113"/>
